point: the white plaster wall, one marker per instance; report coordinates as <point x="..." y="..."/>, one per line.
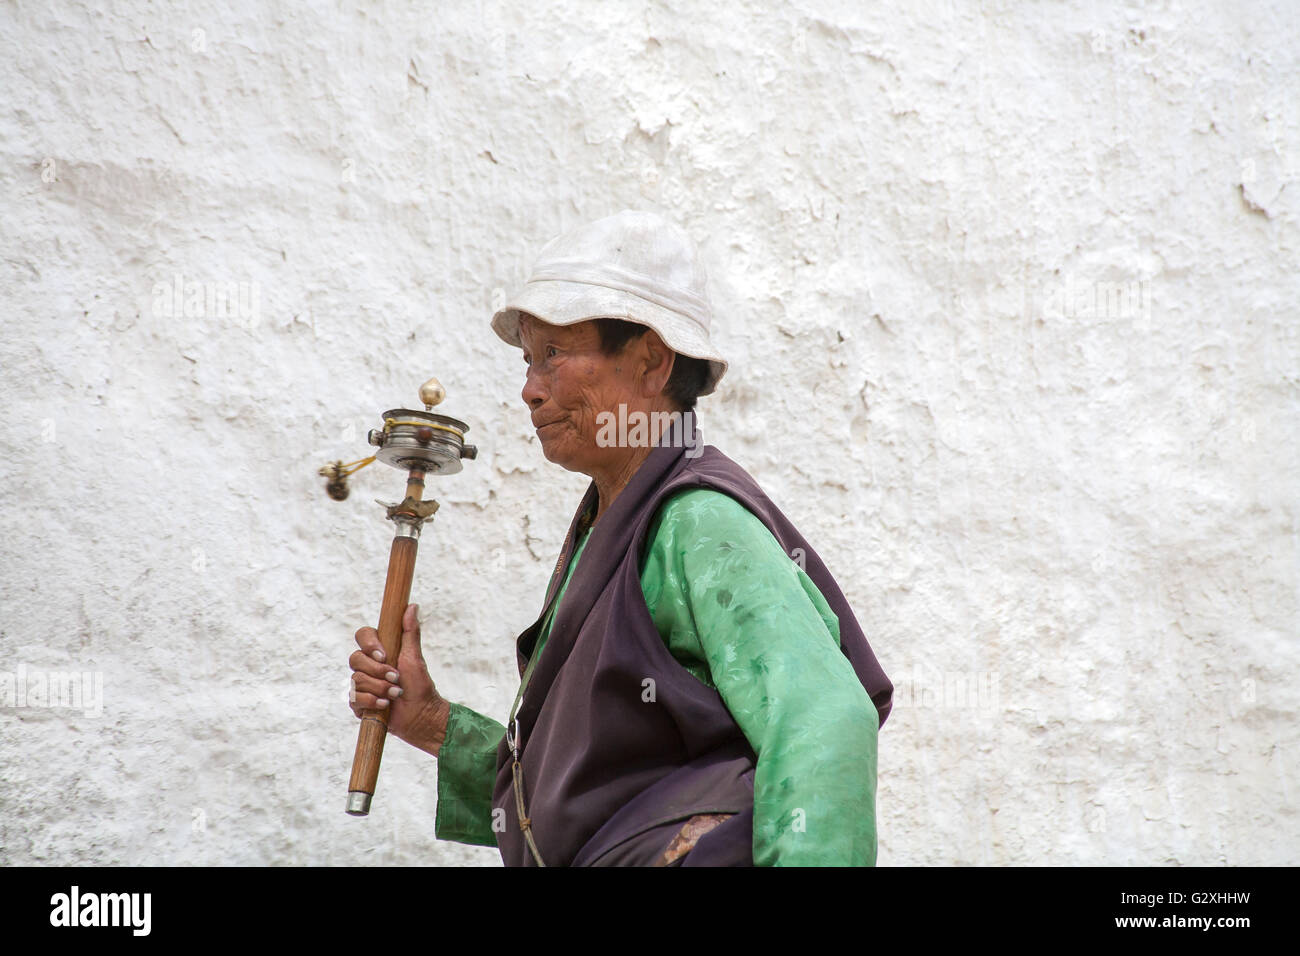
<point x="1010" y="294"/>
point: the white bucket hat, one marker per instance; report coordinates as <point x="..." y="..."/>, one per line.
<point x="635" y="266"/>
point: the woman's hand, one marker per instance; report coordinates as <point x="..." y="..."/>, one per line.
<point x="417" y="712"/>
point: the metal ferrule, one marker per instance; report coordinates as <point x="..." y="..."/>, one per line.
<point x="358" y="803"/>
<point x="407" y="527"/>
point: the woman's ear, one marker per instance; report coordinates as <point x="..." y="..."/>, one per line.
<point x="657" y="367"/>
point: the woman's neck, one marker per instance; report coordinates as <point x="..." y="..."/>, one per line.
<point x="611" y="484"/>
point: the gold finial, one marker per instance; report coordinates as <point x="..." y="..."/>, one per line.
<point x="431" y="393"/>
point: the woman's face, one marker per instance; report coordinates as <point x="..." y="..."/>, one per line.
<point x="570" y="382"/>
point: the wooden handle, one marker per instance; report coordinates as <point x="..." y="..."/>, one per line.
<point x="374" y="723"/>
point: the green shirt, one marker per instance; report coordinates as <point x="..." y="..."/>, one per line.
<point x="745" y="619"/>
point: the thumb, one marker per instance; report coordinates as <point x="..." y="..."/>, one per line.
<point x="411" y="631"/>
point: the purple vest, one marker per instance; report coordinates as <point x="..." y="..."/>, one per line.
<point x="610" y="777"/>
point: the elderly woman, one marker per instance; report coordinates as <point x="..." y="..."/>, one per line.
<point x="696" y="690"/>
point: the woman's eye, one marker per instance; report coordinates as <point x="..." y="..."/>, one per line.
<point x="551" y="352"/>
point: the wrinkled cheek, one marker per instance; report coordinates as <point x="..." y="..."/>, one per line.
<point x="585" y="437"/>
<point x="559" y="447"/>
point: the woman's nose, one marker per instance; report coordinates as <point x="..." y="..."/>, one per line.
<point x="533" y="393"/>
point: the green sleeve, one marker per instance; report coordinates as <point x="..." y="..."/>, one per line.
<point x="467" y="772"/>
<point x="725" y="594"/>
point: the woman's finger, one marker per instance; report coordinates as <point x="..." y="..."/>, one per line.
<point x="363" y="663"/>
<point x="368" y="640"/>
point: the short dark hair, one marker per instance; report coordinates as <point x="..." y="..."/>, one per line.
<point x="689" y="377"/>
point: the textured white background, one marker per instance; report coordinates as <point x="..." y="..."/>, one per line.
<point x="1010" y="292"/>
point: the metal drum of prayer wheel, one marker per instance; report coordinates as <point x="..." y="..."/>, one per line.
<point x="420" y="443"/>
